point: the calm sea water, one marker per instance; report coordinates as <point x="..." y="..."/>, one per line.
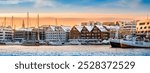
<point x="71" y="50"/>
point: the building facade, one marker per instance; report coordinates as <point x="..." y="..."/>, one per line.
<point x="143" y="27"/>
<point x="57" y="34"/>
<point x="89" y="33"/>
<point x="127" y="28"/>
<point x="6" y="34"/>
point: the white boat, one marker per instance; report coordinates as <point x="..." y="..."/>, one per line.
<point x="75" y="42"/>
<point x="133" y="42"/>
<point x="55" y="43"/>
<point x="106" y="42"/>
<point x="13" y="43"/>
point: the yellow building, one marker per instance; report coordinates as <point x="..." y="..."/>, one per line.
<point x="143" y="27"/>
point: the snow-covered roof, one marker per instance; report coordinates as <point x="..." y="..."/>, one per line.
<point x="53" y="28"/>
<point x="89" y="27"/>
<point x="79" y="28"/>
<point x="100" y="27"/>
<point x="113" y="27"/>
<point x="66" y="28"/>
<point x="24" y="29"/>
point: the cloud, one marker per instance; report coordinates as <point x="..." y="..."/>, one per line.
<point x="129" y="3"/>
<point x="36" y="3"/>
<point x="10" y="1"/>
<point x="43" y="3"/>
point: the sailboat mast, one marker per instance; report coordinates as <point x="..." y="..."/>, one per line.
<point x="27" y="19"/>
<point x="4" y="22"/>
<point x="27" y="25"/>
<point x="38" y="27"/>
<point x="12" y="22"/>
<point x="56" y="21"/>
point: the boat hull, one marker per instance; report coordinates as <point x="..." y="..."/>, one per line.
<point x="1" y="43"/>
<point x="132" y="46"/>
<point x="115" y="44"/>
<point x="31" y="43"/>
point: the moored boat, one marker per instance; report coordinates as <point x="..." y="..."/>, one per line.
<point x="134" y="42"/>
<point x="2" y="43"/>
<point x="115" y="43"/>
<point x="31" y="43"/>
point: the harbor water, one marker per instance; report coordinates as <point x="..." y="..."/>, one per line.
<point x="71" y="50"/>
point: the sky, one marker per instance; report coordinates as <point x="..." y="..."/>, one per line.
<point x="127" y="9"/>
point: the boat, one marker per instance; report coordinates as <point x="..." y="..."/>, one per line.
<point x="55" y="43"/>
<point x="31" y="43"/>
<point x="75" y="42"/>
<point x="115" y="43"/>
<point x="105" y="42"/>
<point x="2" y="43"/>
<point x="134" y="42"/>
<point x="13" y="43"/>
<point x="43" y="43"/>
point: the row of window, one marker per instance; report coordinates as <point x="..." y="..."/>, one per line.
<point x="144" y="27"/>
<point x="144" y="23"/>
<point x="143" y="31"/>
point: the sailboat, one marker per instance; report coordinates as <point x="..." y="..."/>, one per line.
<point x="31" y="42"/>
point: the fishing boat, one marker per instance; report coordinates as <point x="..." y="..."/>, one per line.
<point x="134" y="42"/>
<point x="115" y="43"/>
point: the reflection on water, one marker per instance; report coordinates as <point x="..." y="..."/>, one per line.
<point x="71" y="50"/>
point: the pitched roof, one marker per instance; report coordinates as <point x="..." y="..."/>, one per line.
<point x="66" y="28"/>
<point x="89" y="27"/>
<point x="79" y="28"/>
<point x="101" y="28"/>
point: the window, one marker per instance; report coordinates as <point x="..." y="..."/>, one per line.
<point x="142" y="31"/>
<point x="142" y="24"/>
<point x="140" y="27"/>
<point x="145" y="27"/>
<point x="147" y="23"/>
